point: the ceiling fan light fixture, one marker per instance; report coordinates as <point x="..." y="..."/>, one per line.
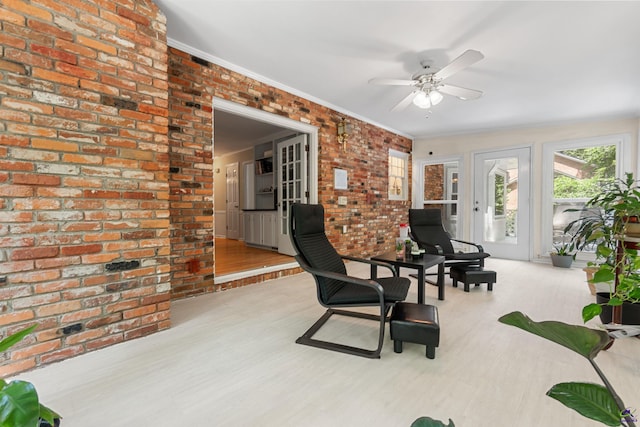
<point x="435" y="97"/>
<point x="421" y="100"/>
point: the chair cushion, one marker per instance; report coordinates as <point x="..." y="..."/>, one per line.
<point x="466" y="256"/>
<point x="395" y="289"/>
<point x="426" y="226"/>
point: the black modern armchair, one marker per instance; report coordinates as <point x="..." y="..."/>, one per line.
<point x="429" y="232"/>
<point x="335" y="288"/>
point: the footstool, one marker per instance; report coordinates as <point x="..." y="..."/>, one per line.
<point x="416" y="323"/>
<point x="467" y="275"/>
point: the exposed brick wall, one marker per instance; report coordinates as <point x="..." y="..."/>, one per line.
<point x="106" y="184"/>
<point x="433" y="182"/>
<point x="371" y="218"/>
<point x="84" y="194"/>
<point x="191" y="175"/>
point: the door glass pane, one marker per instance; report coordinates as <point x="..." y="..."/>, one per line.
<point x="500" y="218"/>
<point x="441" y="191"/>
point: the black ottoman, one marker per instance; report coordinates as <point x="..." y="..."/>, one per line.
<point x="416" y="323"/>
<point x="468" y="275"/>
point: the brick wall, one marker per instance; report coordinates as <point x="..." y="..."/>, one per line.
<point x="106" y="184"/>
<point x="371" y="218"/>
<point x="191" y="175"/>
<point x="84" y="214"/>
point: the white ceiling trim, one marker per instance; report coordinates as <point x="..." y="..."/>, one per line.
<point x="233" y="67"/>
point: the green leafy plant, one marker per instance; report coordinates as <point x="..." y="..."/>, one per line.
<point x="430" y="422"/>
<point x="19" y="403"/>
<point x="609" y="214"/>
<point x="566" y="247"/>
<point x="594" y="401"/>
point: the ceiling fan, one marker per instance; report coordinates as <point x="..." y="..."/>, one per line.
<point x="429" y="86"/>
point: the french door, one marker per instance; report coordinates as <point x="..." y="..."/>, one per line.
<point x="292" y="185"/>
<point x="501" y="211"/>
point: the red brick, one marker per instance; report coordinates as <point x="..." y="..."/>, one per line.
<point x="36" y="349"/>
<point x="101" y="194"/>
<point x="54" y="53"/>
<point x="16" y="317"/>
<point x="35" y="276"/>
<point x="65" y="353"/>
<point x="80" y="250"/>
<point x="104" y="342"/>
<point x="53" y="76"/>
<point x="58" y="308"/>
<point x="16" y="191"/>
<point x="77" y="316"/>
<point x="34" y="253"/>
<point x="27" y="9"/>
<point x="30" y="179"/>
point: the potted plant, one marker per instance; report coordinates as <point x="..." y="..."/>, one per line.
<point x="608" y="223"/>
<point x="19" y="403"/>
<point x="564" y="252"/>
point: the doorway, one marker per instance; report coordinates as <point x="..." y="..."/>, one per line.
<point x="233" y="204"/>
<point x="501" y="208"/>
<point x="233" y="122"/>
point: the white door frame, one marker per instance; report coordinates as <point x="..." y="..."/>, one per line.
<point x="478" y="228"/>
<point x="274" y="119"/>
<point x="418" y="185"/>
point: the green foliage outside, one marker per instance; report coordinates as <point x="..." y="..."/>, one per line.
<point x="599" y="168"/>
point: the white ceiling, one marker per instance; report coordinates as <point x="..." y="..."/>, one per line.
<point x="545" y="62"/>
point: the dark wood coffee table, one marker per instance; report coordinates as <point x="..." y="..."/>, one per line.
<point x="421" y="264"/>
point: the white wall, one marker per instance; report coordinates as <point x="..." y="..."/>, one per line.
<point x="535" y="137"/>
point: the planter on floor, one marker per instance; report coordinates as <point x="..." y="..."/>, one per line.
<point x="563" y="261"/>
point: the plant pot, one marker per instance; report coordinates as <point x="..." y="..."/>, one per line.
<point x="563" y="261"/>
<point x="630" y="311"/>
<point x="632" y="229"/>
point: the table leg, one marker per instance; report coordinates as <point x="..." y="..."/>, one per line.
<point x="374" y="272"/>
<point x="441" y="281"/>
<point x="420" y="285"/>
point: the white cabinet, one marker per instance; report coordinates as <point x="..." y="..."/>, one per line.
<point x="269" y="237"/>
<point x="260" y="228"/>
<point x="264" y="177"/>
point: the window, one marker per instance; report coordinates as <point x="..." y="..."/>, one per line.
<point x="575" y="171"/>
<point x="398" y="175"/>
<point x="441" y="190"/>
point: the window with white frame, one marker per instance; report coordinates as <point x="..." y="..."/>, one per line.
<point x="398" y="175"/>
<point x="440" y="182"/>
<point x="575" y="171"/>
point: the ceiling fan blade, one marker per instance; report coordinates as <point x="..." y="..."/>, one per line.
<point x="460" y="92"/>
<point x="468" y="58"/>
<point x="405" y="101"/>
<point x="392" y="82"/>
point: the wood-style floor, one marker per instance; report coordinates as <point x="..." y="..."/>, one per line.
<point x="233" y="256"/>
<point x="230" y="359"/>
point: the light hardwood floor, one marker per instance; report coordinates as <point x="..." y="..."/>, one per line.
<point x="230" y="359"/>
<point x="233" y="256"/>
